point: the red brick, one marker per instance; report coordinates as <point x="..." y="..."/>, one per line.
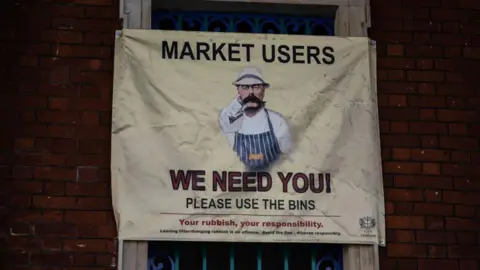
<point x="460" y="170"/>
<point x="467" y="252"/>
<point x="422" y="26"/>
<point x="462" y="197"/>
<point x="85" y="245"/>
<point x="67" y="11"/>
<point x="449" y="15"/>
<point x="474" y="130"/>
<point x="57" y="117"/>
<point x="457" y="102"/>
<point x="93" y="2"/>
<point x="423" y="181"/>
<point x="56" y="145"/>
<point x="403" y="208"/>
<point x="464" y="211"/>
<point x="398" y="114"/>
<point x="446" y="64"/>
<point x="473" y="53"/>
<point x="31" y="102"/>
<point x="396" y="88"/>
<point x="457" y="115"/>
<point x="94" y="203"/>
<point x="80" y="24"/>
<point x="393" y="13"/>
<point x="462" y="224"/>
<point x="451" y="27"/>
<point x="427" y="114"/>
<point x="436" y="251"/>
<point x="460" y="157"/>
<point x="28" y="61"/>
<point x="81" y="51"/>
<point x="426" y="88"/>
<point x="399" y="127"/>
<point x="430" y="155"/>
<point x="45" y="259"/>
<point x="458" y="143"/>
<point x="468" y="265"/>
<point x="89" y="92"/>
<point x="54" y="188"/>
<point x="423" y="51"/>
<point x="466" y="237"/>
<point x="395" y="50"/>
<point x="400" y="236"/>
<point x="105" y="260"/>
<point x="455" y="90"/>
<point x="405" y="222"/>
<point x="450" y="39"/>
<point x="403" y="195"/>
<point x="431" y="168"/>
<point x="101" y="12"/>
<point x="457" y="129"/>
<point x="422" y="38"/>
<point x="20" y="229"/>
<point x="427" y="3"/>
<point x="84" y="259"/>
<point x="397" y="100"/>
<point x="425" y="64"/>
<point x="432" y="209"/>
<point x="62" y="36"/>
<point x="434" y="223"/>
<point x="404" y="264"/>
<point x="24" y="143"/>
<point x="425" y="76"/>
<point x="428" y="128"/>
<point x="429" y="264"/>
<point x="402" y="167"/>
<point x="86" y="217"/>
<point x="55" y="173"/>
<point x="452" y="52"/>
<point x="96" y="231"/>
<point x="426" y="101"/>
<point x="429" y="237"/>
<point x="401" y="154"/>
<point x="455" y="77"/>
<point x="406" y="251"/>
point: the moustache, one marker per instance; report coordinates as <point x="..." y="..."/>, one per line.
<point x="252" y="98"/>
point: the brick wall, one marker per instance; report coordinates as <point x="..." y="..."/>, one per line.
<point x="54" y="156"/>
<point x="55" y="112"/>
<point x="429" y="96"/>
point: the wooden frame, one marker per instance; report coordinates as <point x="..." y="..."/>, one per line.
<point x="353" y="20"/>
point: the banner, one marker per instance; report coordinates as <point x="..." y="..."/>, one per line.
<point x="246" y="138"/>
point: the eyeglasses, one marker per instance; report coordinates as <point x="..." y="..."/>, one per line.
<point x="253" y="87"/>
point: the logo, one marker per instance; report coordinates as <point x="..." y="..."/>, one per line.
<point x="367" y="224"/>
<point x="255" y="156"/>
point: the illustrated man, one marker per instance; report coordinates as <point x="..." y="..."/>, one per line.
<point x="258" y="135"/>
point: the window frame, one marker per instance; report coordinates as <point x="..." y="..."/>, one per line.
<point x="352" y="19"/>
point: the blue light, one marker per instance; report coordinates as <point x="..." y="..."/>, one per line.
<point x="241" y="22"/>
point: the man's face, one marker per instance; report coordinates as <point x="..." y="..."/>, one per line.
<point x="245" y="90"/>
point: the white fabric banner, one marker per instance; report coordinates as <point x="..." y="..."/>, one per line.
<point x="246" y="138"/>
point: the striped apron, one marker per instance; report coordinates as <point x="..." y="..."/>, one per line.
<point x="258" y="151"/>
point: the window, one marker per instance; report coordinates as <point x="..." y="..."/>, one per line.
<point x="244" y="18"/>
<point x="247" y="18"/>
<point x="223" y="256"/>
<point x="347" y="17"/>
<point x="334" y="17"/>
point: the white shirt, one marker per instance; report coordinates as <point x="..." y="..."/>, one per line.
<point x="254" y="125"/>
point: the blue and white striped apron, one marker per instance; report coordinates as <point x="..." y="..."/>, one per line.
<point x="258" y="151"/>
